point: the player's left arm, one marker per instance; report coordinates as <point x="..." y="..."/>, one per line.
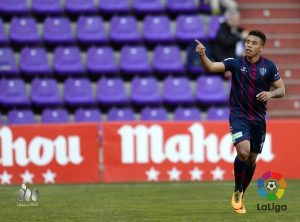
<point x="277" y="91"/>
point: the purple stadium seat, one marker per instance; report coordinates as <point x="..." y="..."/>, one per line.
<point x="55" y="116"/>
<point x="134" y="60"/>
<point x="13" y="93"/>
<point x="124" y="30"/>
<point x="101" y="61"/>
<point x="14" y="7"/>
<point x="45" y="93"/>
<point x="8" y="66"/>
<point x="34" y="62"/>
<point x="67" y="61"/>
<point x="187" y="114"/>
<point x="148" y="7"/>
<point x="181" y="7"/>
<point x="167" y="59"/>
<point x="114" y="6"/>
<point x="78" y="92"/>
<point x="87" y="115"/>
<point x="25" y="116"/>
<point x="153" y="113"/>
<point x="214" y="113"/>
<point x="213" y="26"/>
<point x="210" y="90"/>
<point x="177" y="90"/>
<point x="111" y="91"/>
<point x="145" y="91"/>
<point x="120" y="114"/>
<point x="80" y="6"/>
<point x="157" y="29"/>
<point x="47" y="7"/>
<point x="189" y="28"/>
<point x="24" y="31"/>
<point x="3" y="36"/>
<point x="57" y="30"/>
<point x="91" y="30"/>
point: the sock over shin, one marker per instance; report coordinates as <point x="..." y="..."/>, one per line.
<point x="249" y="172"/>
<point x="239" y="172"/>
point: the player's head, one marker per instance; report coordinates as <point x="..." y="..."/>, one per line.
<point x="254" y="43"/>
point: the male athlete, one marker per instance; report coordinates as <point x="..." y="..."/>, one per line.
<point x="255" y="80"/>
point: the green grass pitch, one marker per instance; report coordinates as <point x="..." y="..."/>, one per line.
<point x="201" y="201"/>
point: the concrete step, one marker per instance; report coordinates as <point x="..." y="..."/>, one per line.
<point x="283" y="114"/>
<point x="267" y="1"/>
<point x="283" y="42"/>
<point x="269" y="11"/>
<point x="292" y="87"/>
<point x="289" y="72"/>
<point x="273" y="26"/>
<point x="286" y="56"/>
<point x="286" y="103"/>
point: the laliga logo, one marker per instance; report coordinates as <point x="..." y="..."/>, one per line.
<point x="271" y="186"/>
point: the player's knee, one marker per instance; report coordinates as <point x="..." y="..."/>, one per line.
<point x="243" y="155"/>
<point x="243" y="150"/>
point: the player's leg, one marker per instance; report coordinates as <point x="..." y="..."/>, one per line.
<point x="258" y="133"/>
<point x="240" y="166"/>
<point x="250" y="169"/>
<point x="240" y="163"/>
<point x="249" y="172"/>
<point x="240" y="131"/>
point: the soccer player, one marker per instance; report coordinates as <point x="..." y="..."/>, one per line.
<point x="255" y="80"/>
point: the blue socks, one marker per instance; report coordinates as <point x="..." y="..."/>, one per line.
<point x="248" y="176"/>
<point x="239" y="173"/>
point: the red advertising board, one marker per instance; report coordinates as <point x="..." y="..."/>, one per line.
<point x="56" y="153"/>
<point x="191" y="151"/>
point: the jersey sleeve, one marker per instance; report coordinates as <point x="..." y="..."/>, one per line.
<point x="274" y="76"/>
<point x="229" y="64"/>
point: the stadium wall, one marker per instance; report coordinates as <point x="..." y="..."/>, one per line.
<point x="137" y="152"/>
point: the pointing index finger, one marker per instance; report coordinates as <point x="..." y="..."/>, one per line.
<point x="197" y="41"/>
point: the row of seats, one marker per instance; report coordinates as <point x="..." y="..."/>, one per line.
<point x="46" y="7"/>
<point x="123" y="30"/>
<point x="68" y="61"/>
<point x="26" y="116"/>
<point x="111" y="91"/>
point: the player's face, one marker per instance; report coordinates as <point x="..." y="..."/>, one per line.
<point x="253" y="46"/>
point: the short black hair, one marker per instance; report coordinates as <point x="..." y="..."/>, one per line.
<point x="259" y="34"/>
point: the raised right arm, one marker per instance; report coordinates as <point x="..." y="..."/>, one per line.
<point x="208" y="65"/>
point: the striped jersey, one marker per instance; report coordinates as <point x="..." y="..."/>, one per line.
<point x="249" y="79"/>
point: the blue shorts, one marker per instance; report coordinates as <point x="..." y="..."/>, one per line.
<point x="243" y="129"/>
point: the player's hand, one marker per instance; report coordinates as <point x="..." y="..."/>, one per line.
<point x="263" y="96"/>
<point x="200" y="49"/>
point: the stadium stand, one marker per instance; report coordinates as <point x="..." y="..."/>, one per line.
<point x="108" y="60"/>
<point x="280" y="19"/>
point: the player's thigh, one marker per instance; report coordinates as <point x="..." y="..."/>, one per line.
<point x="258" y="135"/>
<point x="243" y="150"/>
<point x="240" y="132"/>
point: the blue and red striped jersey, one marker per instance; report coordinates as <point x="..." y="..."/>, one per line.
<point x="249" y="79"/>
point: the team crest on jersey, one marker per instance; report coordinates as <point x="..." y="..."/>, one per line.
<point x="262" y="71"/>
